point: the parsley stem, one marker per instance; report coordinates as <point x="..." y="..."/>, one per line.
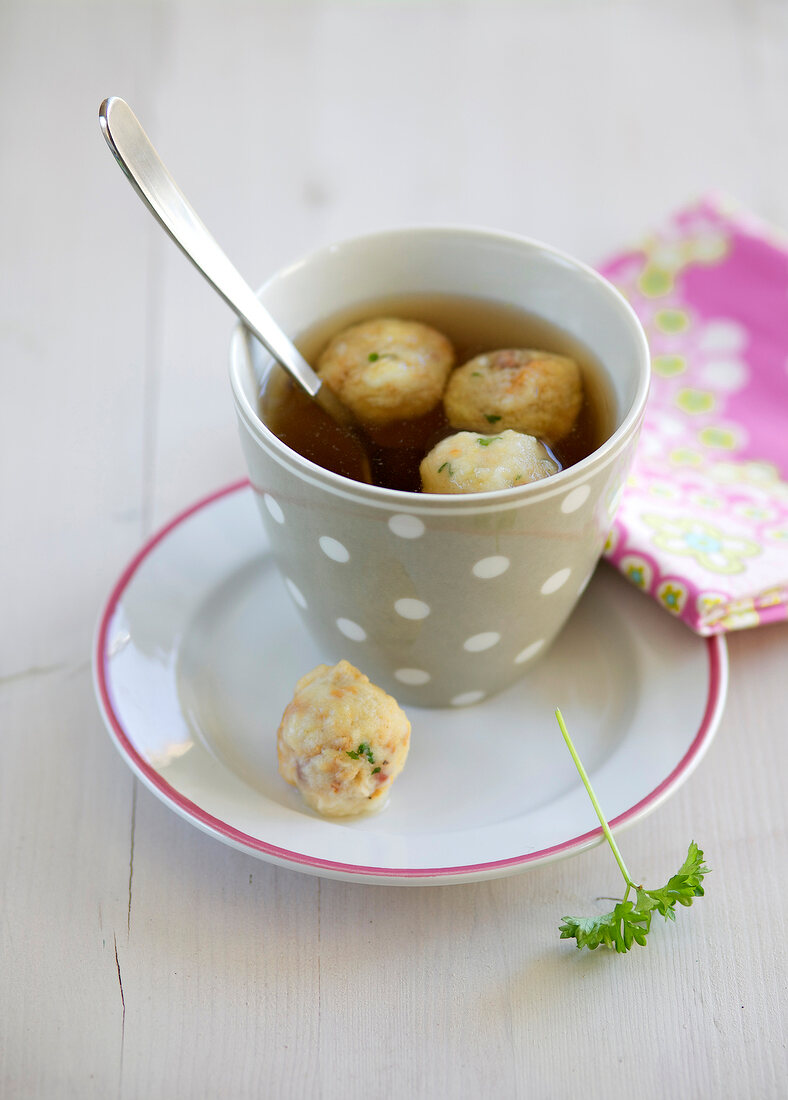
<point x="597" y="807"/>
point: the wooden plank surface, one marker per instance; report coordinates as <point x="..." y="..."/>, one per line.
<point x="138" y="956"/>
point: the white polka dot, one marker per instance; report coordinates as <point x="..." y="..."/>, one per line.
<point x="333" y="549"/>
<point x="529" y="652"/>
<point x="491" y="567"/>
<point x="273" y="508"/>
<point x="728" y="375"/>
<point x="407" y="527"/>
<point x="667" y="255"/>
<point x="552" y="584"/>
<point x="295" y="592"/>
<point x="352" y="630"/>
<point x="479" y="642"/>
<point x="576" y="499"/>
<point x="585" y="583"/>
<point x="668" y="425"/>
<point x="412" y="609"/>
<point x="723" y="336"/>
<point x="412" y="676"/>
<point x="467" y="698"/>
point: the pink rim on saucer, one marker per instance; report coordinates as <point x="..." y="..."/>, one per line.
<point x="717" y="680"/>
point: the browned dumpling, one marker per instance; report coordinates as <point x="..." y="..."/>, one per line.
<point x="342" y="741"/>
<point x="471" y="463"/>
<point x="522" y="389"/>
<point x="387" y="369"/>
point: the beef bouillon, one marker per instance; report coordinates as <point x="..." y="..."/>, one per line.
<point x="395" y="450"/>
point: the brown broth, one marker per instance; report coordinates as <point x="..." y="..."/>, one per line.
<point x="474" y="325"/>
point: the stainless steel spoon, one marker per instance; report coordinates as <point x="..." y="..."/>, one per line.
<point x="147" y="174"/>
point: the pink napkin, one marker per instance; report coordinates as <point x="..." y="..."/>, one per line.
<point x="703" y="522"/>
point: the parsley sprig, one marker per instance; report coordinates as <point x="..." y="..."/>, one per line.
<point x="630" y="920"/>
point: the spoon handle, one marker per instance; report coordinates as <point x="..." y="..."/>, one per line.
<point x="149" y="177"/>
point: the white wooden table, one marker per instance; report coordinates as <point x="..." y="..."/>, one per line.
<point x="138" y="956"/>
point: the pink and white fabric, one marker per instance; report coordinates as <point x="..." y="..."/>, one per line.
<point x="703" y="522"/>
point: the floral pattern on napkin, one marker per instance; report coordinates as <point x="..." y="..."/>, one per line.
<point x="703" y="523"/>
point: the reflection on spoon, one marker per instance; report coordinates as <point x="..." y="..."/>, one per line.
<point x="149" y="177"/>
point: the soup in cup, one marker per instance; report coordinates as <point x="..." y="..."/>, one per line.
<point x="441" y="598"/>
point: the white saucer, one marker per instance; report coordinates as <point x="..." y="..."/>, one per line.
<point x="197" y="654"/>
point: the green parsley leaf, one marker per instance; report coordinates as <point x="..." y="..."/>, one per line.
<point x="491" y="418"/>
<point x="362" y="750"/>
<point x="617" y="930"/>
<point x="373" y="357"/>
<point x="630" y="921"/>
<point x="487" y="442"/>
<point x="681" y="889"/>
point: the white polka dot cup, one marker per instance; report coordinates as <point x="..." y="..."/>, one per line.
<point x="442" y="600"/>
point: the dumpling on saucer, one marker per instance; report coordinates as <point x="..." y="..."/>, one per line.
<point x="519" y="388"/>
<point x="387" y="369"/>
<point x="342" y="741"/>
<point x="471" y="463"/>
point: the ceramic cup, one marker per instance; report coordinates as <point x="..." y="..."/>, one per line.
<point x="442" y="600"/>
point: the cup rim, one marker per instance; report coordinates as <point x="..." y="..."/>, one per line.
<point x="444" y="502"/>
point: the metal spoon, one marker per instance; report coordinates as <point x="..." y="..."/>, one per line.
<point x="147" y="174"/>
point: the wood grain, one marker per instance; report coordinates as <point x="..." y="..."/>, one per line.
<point x="140" y="957"/>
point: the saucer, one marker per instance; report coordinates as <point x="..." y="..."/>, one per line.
<point x="197" y="654"/>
